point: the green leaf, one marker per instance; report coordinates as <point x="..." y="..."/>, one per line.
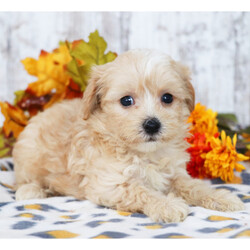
<point x="109" y="57"/>
<point x="99" y="44"/>
<point x="228" y="117"/>
<point x="85" y="55"/>
<point x="19" y="95"/>
<point x="1" y="141"/>
<point x="245" y="130"/>
<point x="86" y="52"/>
<point x="6" y="145"/>
<point x="227" y="122"/>
<point x="62" y="42"/>
<point x="4" y="152"/>
<point x="75" y="72"/>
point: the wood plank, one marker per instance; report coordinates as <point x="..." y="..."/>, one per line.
<point x="206" y="43"/>
<point x="242" y="67"/>
<point x="215" y="45"/>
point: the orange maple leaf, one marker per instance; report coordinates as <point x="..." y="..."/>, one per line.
<point x="50" y="71"/>
<point x="15" y="119"/>
<point x="73" y="91"/>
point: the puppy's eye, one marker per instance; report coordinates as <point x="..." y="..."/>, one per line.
<point x="167" y="98"/>
<point x="127" y="101"/>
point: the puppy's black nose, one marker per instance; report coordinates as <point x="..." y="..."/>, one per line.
<point x="151" y="126"/>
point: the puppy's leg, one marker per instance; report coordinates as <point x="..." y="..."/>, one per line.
<point x="198" y="193"/>
<point x="137" y="198"/>
<point x="166" y="209"/>
<point x="30" y="191"/>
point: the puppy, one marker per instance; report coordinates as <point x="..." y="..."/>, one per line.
<point x="122" y="145"/>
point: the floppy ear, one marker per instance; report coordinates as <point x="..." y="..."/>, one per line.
<point x="191" y="100"/>
<point x="184" y="73"/>
<point x="91" y="99"/>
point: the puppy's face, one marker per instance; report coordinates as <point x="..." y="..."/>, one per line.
<point x="143" y="99"/>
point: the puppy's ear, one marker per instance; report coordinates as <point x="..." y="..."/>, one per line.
<point x="91" y="96"/>
<point x="184" y="73"/>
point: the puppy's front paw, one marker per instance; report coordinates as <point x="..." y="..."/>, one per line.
<point x="30" y="191"/>
<point x="223" y="200"/>
<point x="171" y="209"/>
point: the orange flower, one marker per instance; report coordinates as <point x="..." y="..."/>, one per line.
<point x="223" y="157"/>
<point x="203" y="121"/>
<point x="210" y="156"/>
<point x="199" y="147"/>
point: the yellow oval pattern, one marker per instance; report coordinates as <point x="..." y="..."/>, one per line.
<point x="219" y="218"/>
<point x="62" y="234"/>
<point x="27" y="215"/>
<point x="225" y="230"/>
<point x="33" y="206"/>
<point x="157" y="226"/>
<point x="102" y="236"/>
<point x="123" y="213"/>
<point x="179" y="237"/>
<point x="245" y="233"/>
<point x="65" y="217"/>
<point x="246" y="197"/>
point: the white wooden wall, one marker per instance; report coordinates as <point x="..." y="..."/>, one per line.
<point x="215" y="45"/>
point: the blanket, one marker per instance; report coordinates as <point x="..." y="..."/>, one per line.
<point x="67" y="217"/>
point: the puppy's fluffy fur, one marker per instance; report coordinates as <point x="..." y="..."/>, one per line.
<point x="94" y="148"/>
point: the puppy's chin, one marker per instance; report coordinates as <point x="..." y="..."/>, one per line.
<point x="149" y="146"/>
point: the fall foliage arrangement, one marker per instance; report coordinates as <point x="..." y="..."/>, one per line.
<point x="63" y="74"/>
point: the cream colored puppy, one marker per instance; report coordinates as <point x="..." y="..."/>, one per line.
<point x="122" y="145"/>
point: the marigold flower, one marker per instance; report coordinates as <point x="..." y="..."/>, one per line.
<point x="199" y="147"/>
<point x="211" y="156"/>
<point x="223" y="157"/>
<point x="203" y="121"/>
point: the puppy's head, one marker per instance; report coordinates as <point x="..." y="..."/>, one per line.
<point x="142" y="98"/>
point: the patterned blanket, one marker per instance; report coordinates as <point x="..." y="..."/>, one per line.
<point x="67" y="217"/>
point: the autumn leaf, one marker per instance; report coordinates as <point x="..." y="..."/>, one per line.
<point x="85" y="55"/>
<point x="78" y="73"/>
<point x="33" y="104"/>
<point x="73" y="91"/>
<point x="15" y="119"/>
<point x="19" y="95"/>
<point x="6" y="145"/>
<point x="50" y="71"/>
<point x="61" y="74"/>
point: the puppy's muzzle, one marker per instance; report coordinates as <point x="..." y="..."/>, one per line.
<point x="151" y="126"/>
